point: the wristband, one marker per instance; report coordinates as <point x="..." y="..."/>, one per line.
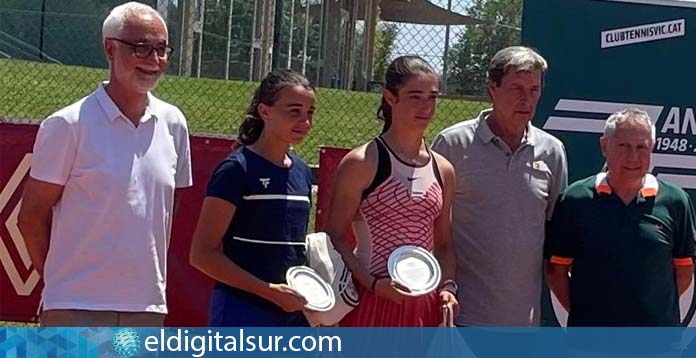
<point x="372" y="285"/>
<point x="450" y="286"/>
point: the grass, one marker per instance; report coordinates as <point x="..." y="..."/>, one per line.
<point x="32" y="90"/>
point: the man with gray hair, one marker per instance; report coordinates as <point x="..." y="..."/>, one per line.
<point x="509" y="175"/>
<point x="97" y="209"/>
<point x="627" y="236"/>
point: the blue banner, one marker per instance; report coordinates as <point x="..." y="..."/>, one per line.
<point x="347" y="342"/>
<point x="608" y="55"/>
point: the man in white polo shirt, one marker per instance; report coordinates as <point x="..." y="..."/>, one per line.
<point x="97" y="210"/>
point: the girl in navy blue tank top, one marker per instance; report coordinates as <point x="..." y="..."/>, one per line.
<point x="253" y="222"/>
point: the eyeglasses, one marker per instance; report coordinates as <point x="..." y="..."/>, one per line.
<point x="143" y="50"/>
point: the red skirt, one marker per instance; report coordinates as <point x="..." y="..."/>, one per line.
<point x="375" y="311"/>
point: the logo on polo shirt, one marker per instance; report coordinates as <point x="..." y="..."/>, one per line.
<point x="265" y="182"/>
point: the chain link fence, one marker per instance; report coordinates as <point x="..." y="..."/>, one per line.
<point x="51" y="55"/>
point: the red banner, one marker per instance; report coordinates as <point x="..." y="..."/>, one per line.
<point x="329" y="158"/>
<point x="20" y="285"/>
<point x="188" y="290"/>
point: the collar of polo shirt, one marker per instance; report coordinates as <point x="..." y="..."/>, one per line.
<point x="650" y="185"/>
<point x="111" y="109"/>
<point x="486" y="134"/>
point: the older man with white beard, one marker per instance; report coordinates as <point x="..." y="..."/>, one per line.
<point x="97" y="209"/>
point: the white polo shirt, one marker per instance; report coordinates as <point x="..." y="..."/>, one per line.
<point x="110" y="229"/>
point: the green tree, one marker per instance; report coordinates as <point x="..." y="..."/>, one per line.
<point x="214" y="50"/>
<point x="385" y="40"/>
<point x="475" y="47"/>
<point x="215" y="37"/>
<point x="69" y="31"/>
<point x="313" y="41"/>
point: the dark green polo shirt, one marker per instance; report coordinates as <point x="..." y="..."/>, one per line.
<point x="622" y="256"/>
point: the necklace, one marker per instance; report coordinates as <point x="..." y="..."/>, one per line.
<point x="406" y="156"/>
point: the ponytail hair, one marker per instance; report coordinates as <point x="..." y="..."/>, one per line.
<point x="267" y="93"/>
<point x="398" y="72"/>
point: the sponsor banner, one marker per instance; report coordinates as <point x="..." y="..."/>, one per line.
<point x="20" y="285"/>
<point x="590" y="79"/>
<point x="329" y="158"/>
<point x="643" y="33"/>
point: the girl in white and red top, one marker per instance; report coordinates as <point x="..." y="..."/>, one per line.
<point x="395" y="191"/>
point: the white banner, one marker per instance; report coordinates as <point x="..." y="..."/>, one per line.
<point x="643" y="33"/>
